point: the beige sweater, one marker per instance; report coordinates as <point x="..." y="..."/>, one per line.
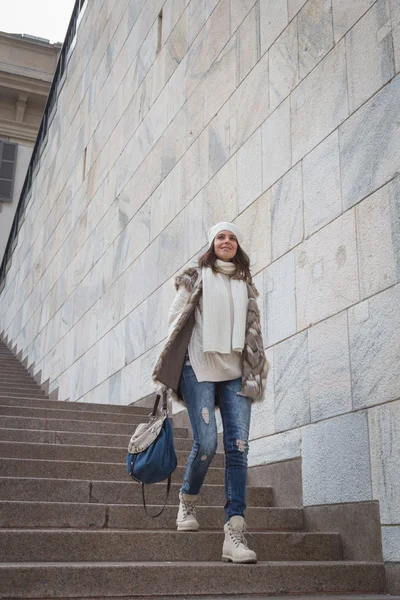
<point x="210" y="366"/>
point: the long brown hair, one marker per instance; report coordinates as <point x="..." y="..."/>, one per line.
<point x="241" y="260"/>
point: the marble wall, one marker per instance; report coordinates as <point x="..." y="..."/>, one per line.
<point x="282" y="117"/>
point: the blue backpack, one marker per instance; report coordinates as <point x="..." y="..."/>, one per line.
<point x="151" y="454"/>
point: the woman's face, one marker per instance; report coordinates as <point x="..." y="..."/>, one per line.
<point x="225" y="245"/>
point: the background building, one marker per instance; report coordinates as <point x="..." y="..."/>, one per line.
<point x="283" y="117"/>
<point x="27" y="65"/>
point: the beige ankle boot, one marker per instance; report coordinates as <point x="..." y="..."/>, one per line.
<point x="235" y="545"/>
<point x="186" y="519"/>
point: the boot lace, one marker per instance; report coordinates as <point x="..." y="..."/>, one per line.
<point x="238" y="537"/>
<point x="189" y="508"/>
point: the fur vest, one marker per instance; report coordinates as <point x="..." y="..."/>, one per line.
<point x="167" y="370"/>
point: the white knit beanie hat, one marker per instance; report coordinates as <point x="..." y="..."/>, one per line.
<point x="224" y="226"/>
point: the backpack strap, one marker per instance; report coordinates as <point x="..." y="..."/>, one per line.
<point x="157" y="402"/>
<point x="165" y="503"/>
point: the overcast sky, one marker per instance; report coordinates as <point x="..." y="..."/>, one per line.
<point x="44" y="18"/>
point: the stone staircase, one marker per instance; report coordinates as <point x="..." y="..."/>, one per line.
<point x="72" y="523"/>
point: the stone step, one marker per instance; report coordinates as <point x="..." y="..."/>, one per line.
<point x="10" y="361"/>
<point x="30" y="391"/>
<point x="14" y="514"/>
<point x="19" y="384"/>
<point x="6" y="357"/>
<point x="81" y="406"/>
<point x="86" y="454"/>
<point x="22" y="377"/>
<point x="68" y="438"/>
<point x="118" y="579"/>
<point x="94" y="471"/>
<point x="13" y="375"/>
<point x="70" y="414"/>
<point x="12" y="422"/>
<point x="58" y="545"/>
<point x="314" y="596"/>
<point x="11" y="365"/>
<point x="115" y="492"/>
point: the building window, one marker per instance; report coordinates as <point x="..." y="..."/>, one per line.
<point x="8" y="160"/>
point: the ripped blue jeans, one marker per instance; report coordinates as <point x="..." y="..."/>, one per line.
<point x="235" y="410"/>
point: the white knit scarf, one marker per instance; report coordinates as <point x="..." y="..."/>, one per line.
<point x="218" y="334"/>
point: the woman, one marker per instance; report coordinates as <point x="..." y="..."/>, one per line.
<point x="214" y="355"/>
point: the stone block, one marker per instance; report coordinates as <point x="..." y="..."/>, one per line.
<point x="287" y="212"/>
<point x="239" y="10"/>
<point x="132" y="240"/>
<point x="384" y="435"/>
<point x="217" y="27"/>
<point x="195" y="112"/>
<point x="174" y="142"/>
<point x="336" y="465"/>
<point x="249" y="104"/>
<point x="218" y="137"/>
<point x="198" y="57"/>
<point x="275" y="448"/>
<point x="130" y="377"/>
<point x="369" y="53"/>
<point x="210" y="6"/>
<point x="276" y="147"/>
<point x="111" y="352"/>
<point x="374" y="328"/>
<point x="357" y="523"/>
<point x="173" y="196"/>
<point x="177" y="43"/>
<point x="220" y="81"/>
<point x="285" y="479"/>
<point x="135" y="333"/>
<point x="194" y="168"/>
<point x="110" y="307"/>
<point x="319" y="103"/>
<point x="157" y="202"/>
<point x="378" y="239"/>
<point x="370" y="145"/>
<point x="255" y="222"/>
<point x="395" y="16"/>
<point x="247" y="44"/>
<point x="172" y="13"/>
<point x="195" y="234"/>
<point x="292" y="396"/>
<point x="262" y="413"/>
<point x="273" y="20"/>
<point x="279" y="300"/>
<point x="249" y="171"/>
<point x="315" y="34"/>
<point x="134" y="293"/>
<point x="220" y="196"/>
<point x="154" y="313"/>
<point x="345" y="15"/>
<point x="327" y="272"/>
<point x="172" y="248"/>
<point x="197" y="18"/>
<point x="329" y="368"/>
<point x="294" y="7"/>
<point x="283" y="65"/>
<point x="391" y="543"/>
<point x="321" y="185"/>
